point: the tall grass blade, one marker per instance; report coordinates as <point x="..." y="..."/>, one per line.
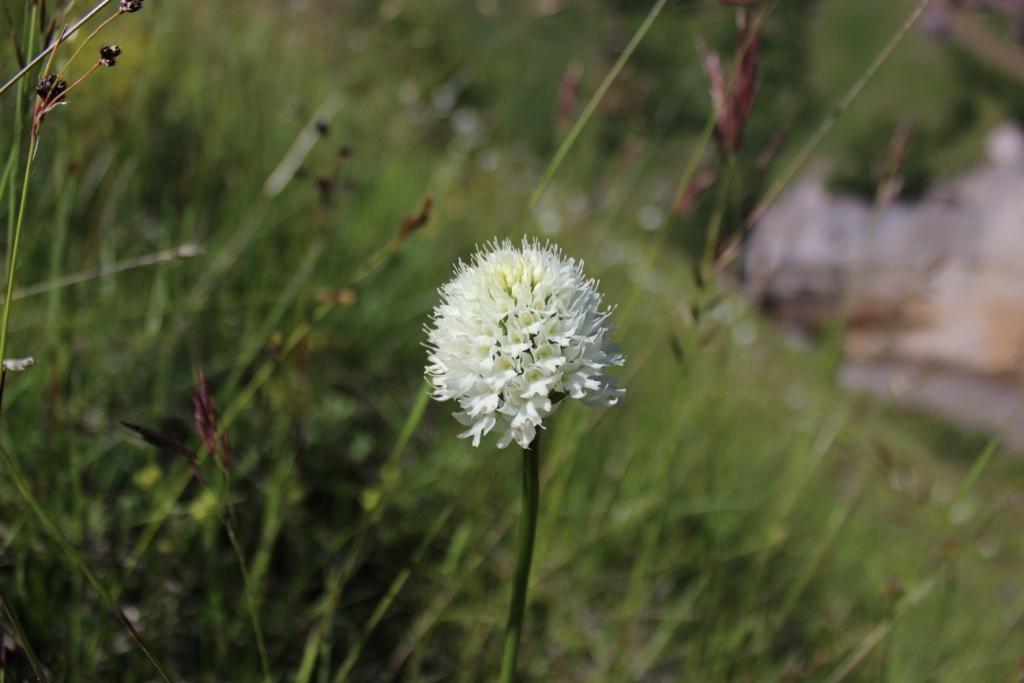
<point x="302" y="146"/>
<point x="76" y="558"/>
<point x="19" y="630"/>
<point x="250" y="596"/>
<point x="877" y="634"/>
<point x="595" y="99"/>
<point x="12" y="254"/>
<point x="187" y="250"/>
<point x="983" y="459"/>
<point x="382" y="607"/>
<point x="389" y="481"/>
<point x="254" y="342"/>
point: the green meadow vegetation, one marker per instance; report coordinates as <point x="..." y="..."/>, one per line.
<point x="242" y="202"/>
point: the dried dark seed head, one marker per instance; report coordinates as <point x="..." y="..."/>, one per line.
<point x="108" y="53"/>
<point x="411" y="224"/>
<point x="324" y="184"/>
<point x="131" y="5"/>
<point x="51" y="88"/>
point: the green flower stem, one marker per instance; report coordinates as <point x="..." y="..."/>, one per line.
<point x="527" y="534"/>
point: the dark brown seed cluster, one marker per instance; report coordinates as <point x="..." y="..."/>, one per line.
<point x="131" y="5"/>
<point x="109" y="54"/>
<point x="50" y="88"/>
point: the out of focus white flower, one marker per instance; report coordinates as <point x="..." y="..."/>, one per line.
<point x="518" y="330"/>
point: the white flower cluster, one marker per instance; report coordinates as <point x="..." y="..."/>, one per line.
<point x="517" y="331"/>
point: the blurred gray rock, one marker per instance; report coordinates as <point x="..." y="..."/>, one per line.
<point x="932" y="290"/>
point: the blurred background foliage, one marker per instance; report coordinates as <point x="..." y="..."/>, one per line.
<point x="740" y="519"/>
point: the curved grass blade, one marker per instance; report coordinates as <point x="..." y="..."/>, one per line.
<point x="76" y="558"/>
<point x="598" y="95"/>
<point x="389" y="597"/>
<point x="37" y="668"/>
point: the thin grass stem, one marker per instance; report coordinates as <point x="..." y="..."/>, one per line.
<point x="187" y="250"/>
<point x="595" y="99"/>
<point x="390" y="479"/>
<point x="877" y="634"/>
<point x="76" y="83"/>
<point x="12" y="258"/>
<point x="15" y="156"/>
<point x="33" y="661"/>
<point x="724" y="187"/>
<point x="684" y="182"/>
<point x="249" y="592"/>
<point x="979" y="466"/>
<point x="287" y="297"/>
<point x="524" y="558"/>
<point x="382" y="607"/>
<point x="85" y="42"/>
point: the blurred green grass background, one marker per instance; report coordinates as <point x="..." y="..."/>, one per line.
<point x="741" y="518"/>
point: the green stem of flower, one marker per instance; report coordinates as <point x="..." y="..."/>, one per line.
<point x="527" y="534"/>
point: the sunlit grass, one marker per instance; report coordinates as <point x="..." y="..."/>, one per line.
<point x="740" y="519"/>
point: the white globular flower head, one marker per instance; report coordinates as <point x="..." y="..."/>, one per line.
<point x="517" y="331"/>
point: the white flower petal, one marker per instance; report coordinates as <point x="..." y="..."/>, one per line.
<point x="513" y="328"/>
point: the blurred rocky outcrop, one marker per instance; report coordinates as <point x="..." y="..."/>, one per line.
<point x="932" y="291"/>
